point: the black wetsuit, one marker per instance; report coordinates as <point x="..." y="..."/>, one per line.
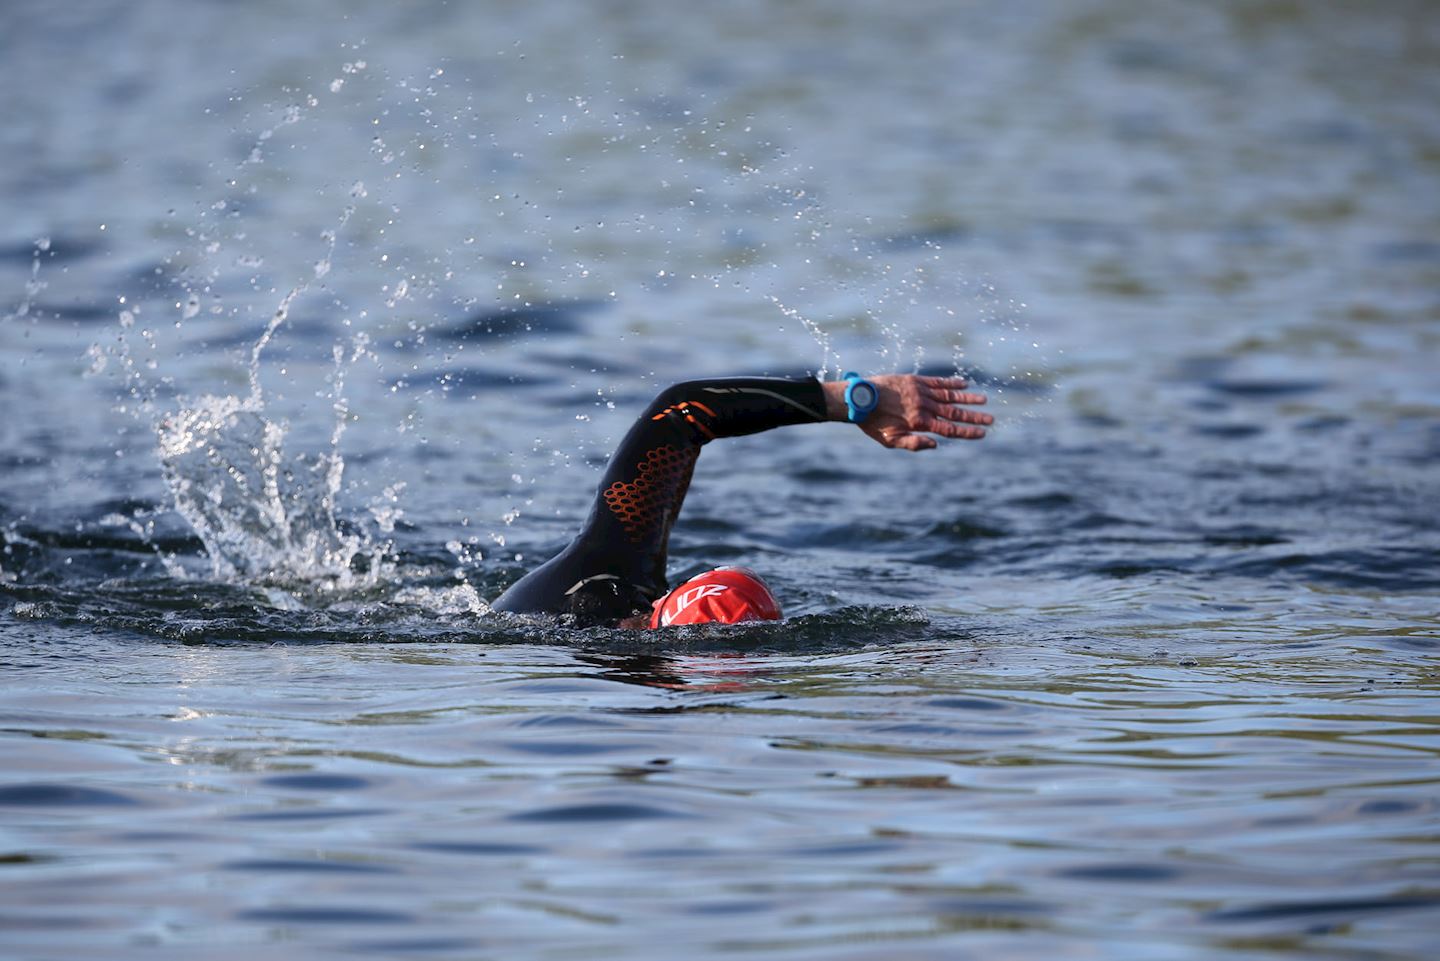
<point x="615" y="567"/>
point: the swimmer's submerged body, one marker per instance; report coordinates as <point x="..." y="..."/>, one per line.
<point x="613" y="572"/>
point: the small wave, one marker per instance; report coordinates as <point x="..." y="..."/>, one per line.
<point x="561" y="317"/>
<point x="52" y="248"/>
<point x="75" y="312"/>
<point x="61" y="796"/>
<point x="224" y="613"/>
<point x="1391" y="569"/>
<point x="465" y="380"/>
<point x="1341" y="907"/>
<point x="845" y="628"/>
<point x="325" y="915"/>
<point x="1265" y="389"/>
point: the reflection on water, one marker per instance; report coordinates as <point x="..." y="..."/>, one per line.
<point x="909" y="792"/>
<point x="1149" y="673"/>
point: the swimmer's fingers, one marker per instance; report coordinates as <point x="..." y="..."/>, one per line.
<point x="954" y="412"/>
<point x="958" y="397"/>
<point x="910" y="437"/>
<point x="964" y="415"/>
<point x="944" y="383"/>
<point x="916" y="442"/>
<point x="957" y="431"/>
<point x="900" y="439"/>
<point x="947" y="390"/>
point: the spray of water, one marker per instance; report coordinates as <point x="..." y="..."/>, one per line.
<point x="267" y="517"/>
<point x="821" y="335"/>
<point x="34" y="285"/>
<point x="263" y="516"/>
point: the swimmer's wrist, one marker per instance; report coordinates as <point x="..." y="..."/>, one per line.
<point x="835" y="408"/>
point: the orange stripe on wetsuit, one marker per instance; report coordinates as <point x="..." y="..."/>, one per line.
<point x="683" y="408"/>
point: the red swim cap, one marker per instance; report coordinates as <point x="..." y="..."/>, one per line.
<point x="726" y="595"/>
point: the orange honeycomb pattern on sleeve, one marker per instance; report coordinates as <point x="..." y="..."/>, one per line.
<point x="645" y="506"/>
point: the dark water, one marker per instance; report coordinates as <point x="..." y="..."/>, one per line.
<point x="1149" y="673"/>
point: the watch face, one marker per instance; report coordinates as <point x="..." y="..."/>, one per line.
<point x="862" y="395"/>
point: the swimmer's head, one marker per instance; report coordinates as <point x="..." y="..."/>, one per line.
<point x="726" y="595"/>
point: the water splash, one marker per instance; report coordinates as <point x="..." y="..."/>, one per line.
<point x="821" y="335"/>
<point x="264" y="517"/>
<point x="267" y="517"/>
<point x="34" y="286"/>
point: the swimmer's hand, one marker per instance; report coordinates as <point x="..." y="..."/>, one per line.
<point x="912" y="408"/>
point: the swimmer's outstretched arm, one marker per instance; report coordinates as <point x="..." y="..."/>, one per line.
<point x="615" y="566"/>
<point x="913" y="407"/>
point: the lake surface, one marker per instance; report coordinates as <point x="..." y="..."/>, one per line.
<point x="319" y="322"/>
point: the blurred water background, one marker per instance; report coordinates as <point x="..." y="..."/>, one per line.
<point x="319" y="321"/>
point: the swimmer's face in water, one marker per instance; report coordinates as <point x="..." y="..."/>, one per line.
<point x="725" y="595"/>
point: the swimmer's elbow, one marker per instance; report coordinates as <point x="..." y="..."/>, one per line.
<point x="674" y="396"/>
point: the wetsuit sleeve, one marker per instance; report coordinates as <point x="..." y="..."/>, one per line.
<point x="616" y="565"/>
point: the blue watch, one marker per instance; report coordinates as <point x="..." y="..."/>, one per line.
<point x="861" y="397"/>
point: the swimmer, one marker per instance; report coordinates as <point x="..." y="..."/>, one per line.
<point x="613" y="572"/>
